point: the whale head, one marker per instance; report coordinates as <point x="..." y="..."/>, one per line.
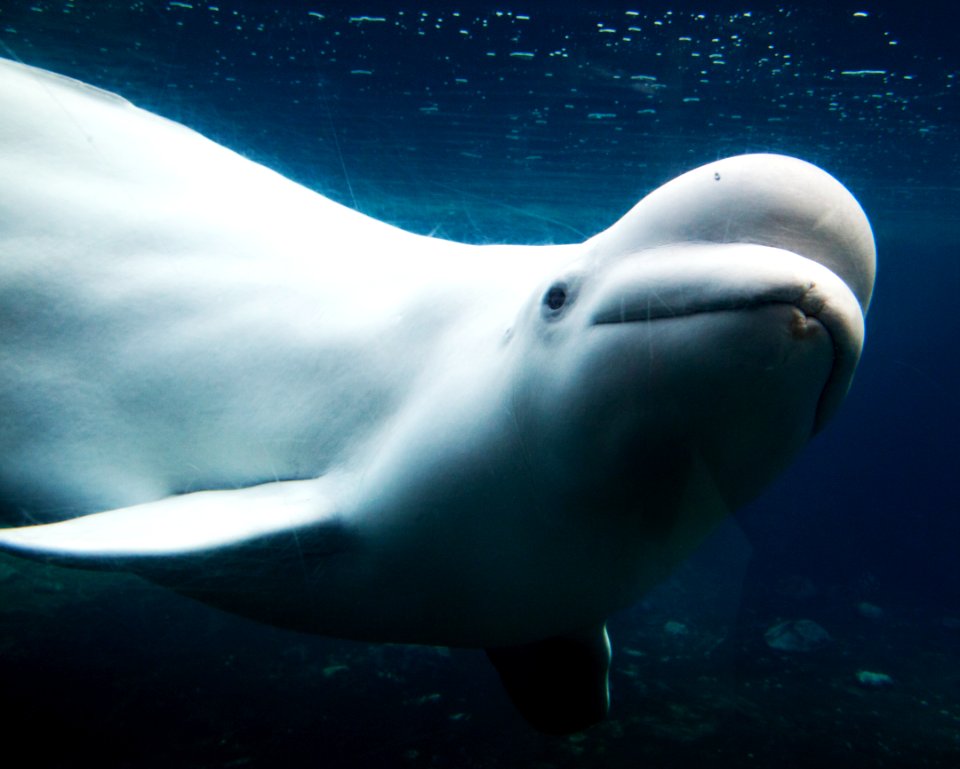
<point x="718" y="323"/>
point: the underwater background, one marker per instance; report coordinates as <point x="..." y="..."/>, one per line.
<point x="535" y="123"/>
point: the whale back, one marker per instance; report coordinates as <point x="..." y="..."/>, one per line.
<point x="183" y="318"/>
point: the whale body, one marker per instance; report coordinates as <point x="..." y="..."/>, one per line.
<point x="226" y="383"/>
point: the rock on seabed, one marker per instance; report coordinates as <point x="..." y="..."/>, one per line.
<point x="799" y="635"/>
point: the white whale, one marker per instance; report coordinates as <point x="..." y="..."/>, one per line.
<point x="227" y="383"/>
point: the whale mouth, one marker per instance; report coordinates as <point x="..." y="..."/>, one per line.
<point x="679" y="282"/>
<point x="651" y="306"/>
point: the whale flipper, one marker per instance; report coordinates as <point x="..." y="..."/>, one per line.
<point x="181" y="527"/>
<point x="560" y="685"/>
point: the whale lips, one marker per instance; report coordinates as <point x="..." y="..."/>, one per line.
<point x="701" y="278"/>
<point x="644" y="308"/>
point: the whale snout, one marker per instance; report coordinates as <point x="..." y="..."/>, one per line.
<point x="677" y="282"/>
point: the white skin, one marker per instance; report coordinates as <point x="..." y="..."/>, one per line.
<point x="407" y="439"/>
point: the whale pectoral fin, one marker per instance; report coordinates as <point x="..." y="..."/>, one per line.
<point x="156" y="535"/>
<point x="560" y="685"/>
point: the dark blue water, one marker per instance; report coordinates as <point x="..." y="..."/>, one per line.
<point x="514" y="123"/>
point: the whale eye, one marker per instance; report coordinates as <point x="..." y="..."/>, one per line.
<point x="555" y="297"/>
<point x="558" y="299"/>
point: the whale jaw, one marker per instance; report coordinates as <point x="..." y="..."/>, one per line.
<point x="671" y="283"/>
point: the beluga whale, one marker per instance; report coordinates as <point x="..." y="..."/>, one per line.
<point x="224" y="382"/>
